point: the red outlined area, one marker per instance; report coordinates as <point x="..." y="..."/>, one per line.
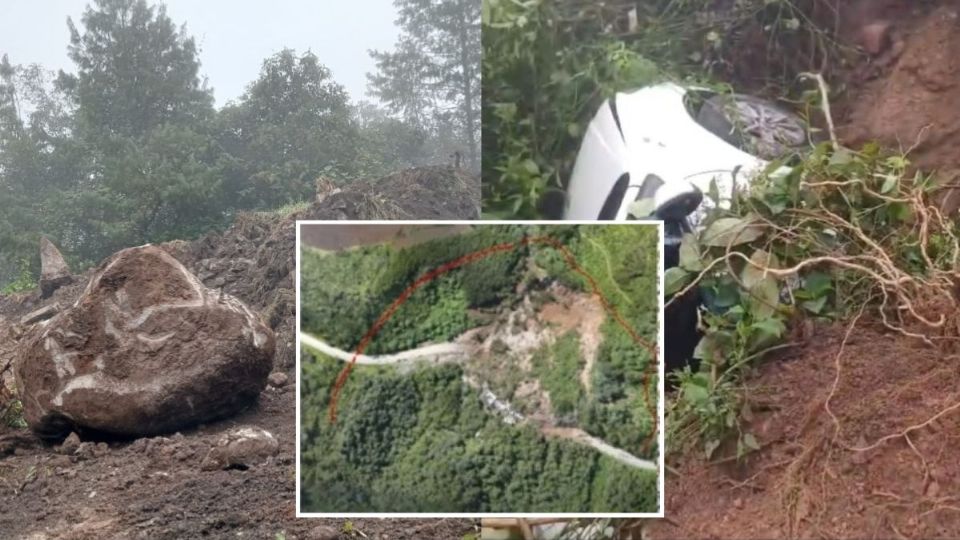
<point x="481" y="254"/>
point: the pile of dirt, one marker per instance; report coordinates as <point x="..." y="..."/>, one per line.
<point x="910" y="99"/>
<point x="854" y="445"/>
<point x="158" y="487"/>
<point x="436" y="192"/>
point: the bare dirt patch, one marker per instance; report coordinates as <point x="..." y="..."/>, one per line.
<point x="582" y="313"/>
<point x="910" y="101"/>
<point x="856" y="467"/>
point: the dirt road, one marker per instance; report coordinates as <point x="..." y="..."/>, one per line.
<point x="445" y="351"/>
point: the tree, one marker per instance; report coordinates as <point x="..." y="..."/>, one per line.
<point x="387" y="143"/>
<point x="141" y="115"/>
<point x="432" y="79"/>
<point x="292" y="124"/>
<point x="135" y="71"/>
<point x="39" y="159"/>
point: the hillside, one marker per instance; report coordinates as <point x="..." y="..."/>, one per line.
<point x="538" y="403"/>
<point x="162" y="486"/>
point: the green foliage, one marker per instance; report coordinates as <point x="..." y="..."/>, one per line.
<point x="454" y="457"/>
<point x="558" y="368"/>
<point x="23" y="282"/>
<point x="11" y="413"/>
<point x="344" y="293"/>
<point x="624" y="261"/>
<point x="432" y="78"/>
<point x="826" y="238"/>
<point x="294" y="105"/>
<point x="548" y="65"/>
<point x="128" y="149"/>
<point x="542" y="79"/>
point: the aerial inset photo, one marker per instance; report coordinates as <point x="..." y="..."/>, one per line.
<point x="479" y="368"/>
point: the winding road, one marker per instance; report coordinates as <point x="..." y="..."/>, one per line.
<point x="449" y="352"/>
<point x="436" y="351"/>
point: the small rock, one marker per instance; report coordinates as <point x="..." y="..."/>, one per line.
<point x="70" y="444"/>
<point x="277" y="379"/>
<point x="54" y="272"/>
<point x="41" y="314"/>
<point x="323" y="532"/>
<point x="241" y="448"/>
<point x="86" y="450"/>
<point x="875" y="37"/>
<point x="933" y="490"/>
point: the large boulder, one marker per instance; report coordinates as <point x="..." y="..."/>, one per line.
<point x="145" y="349"/>
<point x="54" y="272"/>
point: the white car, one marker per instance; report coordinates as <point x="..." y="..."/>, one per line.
<point x="669" y="143"/>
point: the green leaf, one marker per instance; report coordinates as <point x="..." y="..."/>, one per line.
<point x="731" y="232"/>
<point x="531" y="167"/>
<point x="675" y="279"/>
<point x="725" y="295"/>
<point x="814" y="306"/>
<point x="841" y="157"/>
<point x="764" y="298"/>
<point x="713" y="192"/>
<point x="889" y="183"/>
<point x="695" y="394"/>
<point x="817" y="284"/>
<point x="689" y="254"/>
<point x="773" y="327"/>
<point x="750" y="441"/>
<point x="752" y="275"/>
<point x="764" y="293"/>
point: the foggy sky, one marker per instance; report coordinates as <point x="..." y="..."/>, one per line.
<point x="234" y="36"/>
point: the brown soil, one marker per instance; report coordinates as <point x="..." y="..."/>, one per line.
<point x="154" y="487"/>
<point x="909" y="97"/>
<point x="435" y="192"/>
<point x="857" y="476"/>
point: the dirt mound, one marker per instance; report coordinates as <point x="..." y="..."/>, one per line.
<point x="915" y="103"/>
<point x="435" y="192"/>
<point x="156" y="487"/>
<point x="875" y="460"/>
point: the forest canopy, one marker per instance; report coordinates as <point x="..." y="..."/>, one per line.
<point x="128" y="147"/>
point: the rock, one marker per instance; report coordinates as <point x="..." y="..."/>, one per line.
<point x="323" y="532"/>
<point x="145" y="349"/>
<point x="875" y="37"/>
<point x="70" y="444"/>
<point x="54" y="272"/>
<point x="241" y="448"/>
<point x="277" y="379"/>
<point x="40" y="314"/>
<point x="86" y="450"/>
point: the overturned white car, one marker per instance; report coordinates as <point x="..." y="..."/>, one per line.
<point x="667" y="145"/>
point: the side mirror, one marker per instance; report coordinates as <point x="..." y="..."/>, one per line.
<point x="676" y="201"/>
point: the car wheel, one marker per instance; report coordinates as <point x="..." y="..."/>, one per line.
<point x="754" y="125"/>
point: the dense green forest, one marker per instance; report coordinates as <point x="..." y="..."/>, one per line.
<point x="343" y="293"/>
<point x="128" y="147"/>
<point x="422" y="442"/>
<point x="435" y="419"/>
